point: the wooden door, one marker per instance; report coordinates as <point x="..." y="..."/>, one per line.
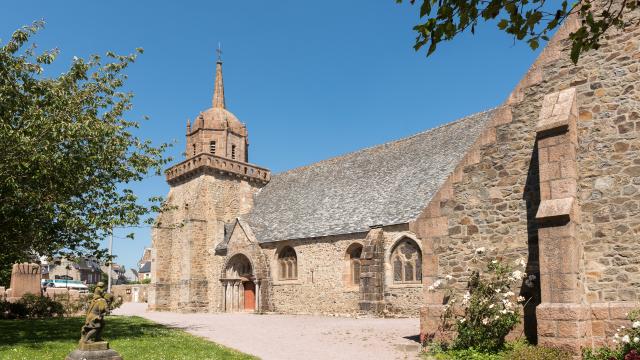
<point x="249" y="295"/>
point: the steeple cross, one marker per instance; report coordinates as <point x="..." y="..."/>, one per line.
<point x="219" y="52"/>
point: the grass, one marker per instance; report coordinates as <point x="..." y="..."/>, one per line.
<point x="133" y="337"/>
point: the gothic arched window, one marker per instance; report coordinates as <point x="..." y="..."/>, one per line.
<point x="354" y="252"/>
<point x="288" y="264"/>
<point x="406" y="260"/>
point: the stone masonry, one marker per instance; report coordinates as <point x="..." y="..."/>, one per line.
<point x="208" y="255"/>
<point x="25" y="279"/>
<point x="554" y="176"/>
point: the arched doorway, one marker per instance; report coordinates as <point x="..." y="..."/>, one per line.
<point x="239" y="286"/>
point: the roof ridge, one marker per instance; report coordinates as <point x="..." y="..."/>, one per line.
<point x="466" y="117"/>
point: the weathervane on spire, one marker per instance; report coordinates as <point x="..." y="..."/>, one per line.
<point x="219" y="52"/>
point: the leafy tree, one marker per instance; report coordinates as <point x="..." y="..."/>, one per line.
<point x="67" y="153"/>
<point x="527" y="20"/>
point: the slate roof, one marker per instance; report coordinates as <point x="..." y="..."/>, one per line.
<point x="145" y="268"/>
<point x="382" y="185"/>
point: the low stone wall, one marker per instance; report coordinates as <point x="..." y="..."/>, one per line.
<point x="128" y="292"/>
<point x="63" y="292"/>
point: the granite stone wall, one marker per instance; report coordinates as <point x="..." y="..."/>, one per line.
<point x="190" y="257"/>
<point x="323" y="283"/>
<point x="493" y="196"/>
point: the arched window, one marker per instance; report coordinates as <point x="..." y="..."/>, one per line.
<point x="212" y="147"/>
<point x="194" y="149"/>
<point x="288" y="264"/>
<point x="354" y="252"/>
<point x="406" y="260"/>
<point x="233" y="152"/>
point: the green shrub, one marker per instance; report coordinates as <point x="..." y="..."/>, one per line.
<point x="524" y="351"/>
<point x="626" y="340"/>
<point x="9" y="310"/>
<point x="518" y="350"/>
<point x="31" y="306"/>
<point x="468" y="354"/>
<point x="41" y="306"/>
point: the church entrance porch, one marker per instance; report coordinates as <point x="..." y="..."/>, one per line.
<point x="240" y="289"/>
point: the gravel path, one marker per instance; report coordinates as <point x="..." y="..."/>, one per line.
<point x="283" y="337"/>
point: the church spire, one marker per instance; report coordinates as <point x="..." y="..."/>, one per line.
<point x="218" y="91"/>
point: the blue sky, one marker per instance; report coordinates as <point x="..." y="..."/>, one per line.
<point x="311" y="79"/>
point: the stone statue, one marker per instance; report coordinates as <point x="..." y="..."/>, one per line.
<point x="94" y="322"/>
<point x="91" y="344"/>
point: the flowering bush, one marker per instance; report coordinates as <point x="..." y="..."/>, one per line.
<point x="489" y="309"/>
<point x="626" y="340"/>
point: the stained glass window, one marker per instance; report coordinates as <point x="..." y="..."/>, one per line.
<point x="407" y="262"/>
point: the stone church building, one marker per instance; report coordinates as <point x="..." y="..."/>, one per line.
<point x="331" y="237"/>
<point x="552" y="175"/>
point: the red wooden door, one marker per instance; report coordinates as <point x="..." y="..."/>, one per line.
<point x="249" y="296"/>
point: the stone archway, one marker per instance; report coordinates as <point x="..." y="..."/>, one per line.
<point x="240" y="288"/>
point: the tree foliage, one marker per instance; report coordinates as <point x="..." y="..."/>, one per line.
<point x="531" y="21"/>
<point x="67" y="152"/>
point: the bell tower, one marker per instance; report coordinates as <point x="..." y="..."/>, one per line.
<point x="217" y="131"/>
<point x="212" y="187"/>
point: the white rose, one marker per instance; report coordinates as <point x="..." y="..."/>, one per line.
<point x="626" y="339"/>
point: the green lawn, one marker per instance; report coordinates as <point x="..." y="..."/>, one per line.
<point x="133" y="337"/>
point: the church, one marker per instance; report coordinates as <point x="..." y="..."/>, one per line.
<point x="331" y="237"/>
<point x="552" y="176"/>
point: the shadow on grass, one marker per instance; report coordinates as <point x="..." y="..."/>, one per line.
<point x="34" y="332"/>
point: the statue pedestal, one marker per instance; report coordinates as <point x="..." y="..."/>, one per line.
<point x="98" y="350"/>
